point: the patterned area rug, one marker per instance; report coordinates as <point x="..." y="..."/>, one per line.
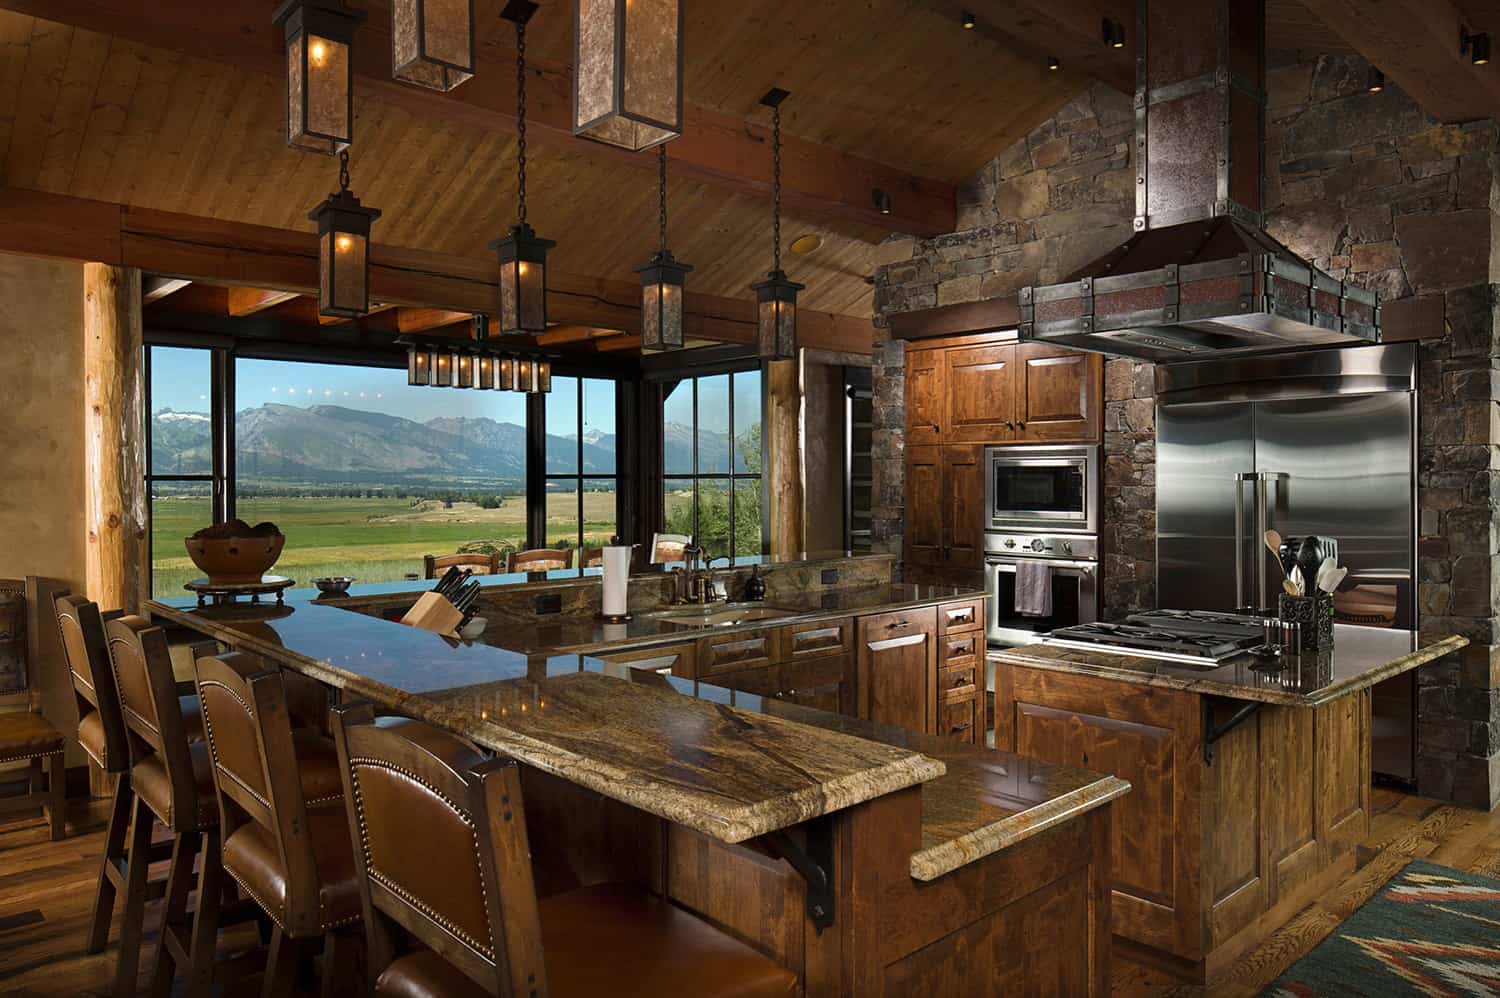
<point x="1429" y="931"/>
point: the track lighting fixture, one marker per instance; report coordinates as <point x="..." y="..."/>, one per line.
<point x="882" y="201"/>
<point x="1053" y="63"/>
<point x="968" y="21"/>
<point x="1114" y="33"/>
<point x="1375" y="80"/>
<point x="1476" y="46"/>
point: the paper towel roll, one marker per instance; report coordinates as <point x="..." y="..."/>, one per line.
<point x="616" y="580"/>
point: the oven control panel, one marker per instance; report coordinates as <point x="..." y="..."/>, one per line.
<point x="1076" y="547"/>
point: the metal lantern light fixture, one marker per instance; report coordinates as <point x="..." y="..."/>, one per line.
<point x="522" y="255"/>
<point x="418" y="365"/>
<point x="319" y="73"/>
<point x="343" y="250"/>
<point x="776" y="296"/>
<point x="627" y="72"/>
<point x="662" y="281"/>
<point x="432" y="42"/>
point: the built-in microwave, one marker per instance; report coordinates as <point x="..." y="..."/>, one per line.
<point x="1050" y="488"/>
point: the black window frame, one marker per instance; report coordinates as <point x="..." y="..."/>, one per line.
<point x="580" y="476"/>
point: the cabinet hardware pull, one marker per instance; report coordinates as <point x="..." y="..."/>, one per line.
<point x="897" y="624"/>
<point x="960" y="681"/>
<point x="960" y="727"/>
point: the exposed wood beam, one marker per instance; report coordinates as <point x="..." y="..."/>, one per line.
<point x="612" y="343"/>
<point x="955" y="320"/>
<point x="419" y="320"/>
<point x="1071" y="30"/>
<point x="154" y="289"/>
<point x="1416" y="45"/>
<point x="573" y="334"/>
<point x="717" y="148"/>
<point x="248" y="301"/>
<point x="218" y="251"/>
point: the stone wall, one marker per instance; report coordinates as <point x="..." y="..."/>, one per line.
<point x="1370" y="189"/>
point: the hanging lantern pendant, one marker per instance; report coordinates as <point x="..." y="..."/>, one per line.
<point x="662" y="281"/>
<point x="522" y="255"/>
<point x="319" y="73"/>
<point x="627" y="72"/>
<point x="776" y="296"/>
<point x="432" y="42"/>
<point x="343" y="250"/>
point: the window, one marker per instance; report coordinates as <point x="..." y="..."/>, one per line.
<point x="184" y="477"/>
<point x="581" y="463"/>
<point x="711" y="462"/>
<point x="365" y="474"/>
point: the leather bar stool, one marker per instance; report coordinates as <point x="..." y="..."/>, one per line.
<point x="450" y="907"/>
<point x="294" y="859"/>
<point x="28" y="737"/>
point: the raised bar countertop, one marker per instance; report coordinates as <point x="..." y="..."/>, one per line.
<point x="727" y="764"/>
<point x="1360" y="657"/>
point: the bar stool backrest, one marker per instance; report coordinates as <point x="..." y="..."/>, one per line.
<point x="440" y="849"/>
<point x="87" y="652"/>
<point x="148" y="704"/>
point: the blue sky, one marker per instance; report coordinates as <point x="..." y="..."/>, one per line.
<point x="180" y="381"/>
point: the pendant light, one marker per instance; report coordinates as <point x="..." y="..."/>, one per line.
<point x="776" y="296"/>
<point x="522" y="256"/>
<point x="432" y="42"/>
<point x="343" y="250"/>
<point x="319" y="73"/>
<point x="418" y="366"/>
<point x="627" y="72"/>
<point x="662" y="281"/>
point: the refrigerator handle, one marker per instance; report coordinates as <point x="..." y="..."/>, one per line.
<point x="1239" y="533"/>
<point x="1258" y="542"/>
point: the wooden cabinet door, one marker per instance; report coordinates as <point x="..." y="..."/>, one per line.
<point x="980" y="386"/>
<point x="676" y="660"/>
<point x="958" y="717"/>
<point x="924" y="505"/>
<point x="896" y="663"/>
<point x="963" y="507"/>
<point x="1057" y="394"/>
<point x="924" y="397"/>
<point x="824" y="683"/>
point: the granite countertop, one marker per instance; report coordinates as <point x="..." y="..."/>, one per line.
<point x="1360" y="658"/>
<point x="531" y="635"/>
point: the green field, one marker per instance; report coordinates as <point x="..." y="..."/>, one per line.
<point x="374" y="540"/>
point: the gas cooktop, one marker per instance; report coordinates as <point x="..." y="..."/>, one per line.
<point x="1193" y="636"/>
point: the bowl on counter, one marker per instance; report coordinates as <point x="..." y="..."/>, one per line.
<point x="333" y="585"/>
<point x="235" y="553"/>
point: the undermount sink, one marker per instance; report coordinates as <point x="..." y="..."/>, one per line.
<point x="719" y="614"/>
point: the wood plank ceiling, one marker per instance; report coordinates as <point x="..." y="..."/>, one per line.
<point x="894" y="81"/>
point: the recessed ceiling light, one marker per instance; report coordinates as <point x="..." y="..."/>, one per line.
<point x="806" y="244"/>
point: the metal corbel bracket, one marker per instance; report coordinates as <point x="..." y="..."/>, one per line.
<point x="1213" y="732"/>
<point x="814" y="864"/>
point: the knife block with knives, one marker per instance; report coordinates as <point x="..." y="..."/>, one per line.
<point x="450" y="605"/>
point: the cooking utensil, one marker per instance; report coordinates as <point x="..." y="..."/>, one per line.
<point x="1287" y="554"/>
<point x="1273" y="544"/>
<point x="1298" y="581"/>
<point x="1324" y="571"/>
<point x="1334" y="580"/>
<point x="1309" y="557"/>
<point x="1289" y="586"/>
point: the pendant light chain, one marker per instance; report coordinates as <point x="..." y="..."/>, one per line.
<point x="661" y="194"/>
<point x="344" y="171"/>
<point x="776" y="182"/>
<point x="521" y="121"/>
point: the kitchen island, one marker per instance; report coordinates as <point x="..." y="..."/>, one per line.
<point x="869" y="859"/>
<point x="1251" y="781"/>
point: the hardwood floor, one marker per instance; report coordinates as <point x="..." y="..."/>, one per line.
<point x="46" y="889"/>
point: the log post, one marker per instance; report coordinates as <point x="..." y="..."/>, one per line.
<point x="114" y="445"/>
<point x="783" y="435"/>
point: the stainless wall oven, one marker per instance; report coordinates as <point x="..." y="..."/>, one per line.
<point x="1042" y="488"/>
<point x="1073" y="564"/>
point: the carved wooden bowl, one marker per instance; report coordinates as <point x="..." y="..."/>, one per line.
<point x="235" y="560"/>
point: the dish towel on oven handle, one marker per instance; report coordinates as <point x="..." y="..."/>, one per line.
<point x="1033" y="588"/>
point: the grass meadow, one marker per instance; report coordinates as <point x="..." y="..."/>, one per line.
<point x="372" y="539"/>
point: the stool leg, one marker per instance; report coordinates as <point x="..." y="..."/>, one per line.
<point x="281" y="965"/>
<point x="174" y="912"/>
<point x="114" y="859"/>
<point x="206" y="916"/>
<point x="56" y="796"/>
<point x="133" y="924"/>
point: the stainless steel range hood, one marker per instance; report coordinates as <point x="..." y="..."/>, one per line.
<point x="1200" y="277"/>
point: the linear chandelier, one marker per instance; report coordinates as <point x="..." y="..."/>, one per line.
<point x="472" y="364"/>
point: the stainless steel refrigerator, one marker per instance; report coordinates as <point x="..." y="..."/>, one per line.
<point x="1315" y="442"/>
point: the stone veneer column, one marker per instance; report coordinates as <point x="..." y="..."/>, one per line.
<point x="114" y="451"/>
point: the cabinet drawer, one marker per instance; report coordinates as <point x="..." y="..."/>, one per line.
<point x="960" y="719"/>
<point x="733" y="652"/>
<point x="965" y="616"/>
<point x="958" y="681"/>
<point x="896" y="624"/>
<point x="802" y="641"/>
<point x="961" y="648"/>
<point x="676" y="660"/>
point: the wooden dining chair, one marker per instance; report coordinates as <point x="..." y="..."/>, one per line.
<point x="292" y="857"/>
<point x="450" y="906"/>
<point x="591" y="557"/>
<point x="540" y="560"/>
<point x="26" y="736"/>
<point x="669" y="547"/>
<point x="434" y="566"/>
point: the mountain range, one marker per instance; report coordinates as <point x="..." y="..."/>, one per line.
<point x="330" y="443"/>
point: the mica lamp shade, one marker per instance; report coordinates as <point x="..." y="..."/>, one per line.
<point x="627" y="86"/>
<point x="343" y="255"/>
<point x="662" y="282"/>
<point x="523" y="280"/>
<point x="228" y="561"/>
<point x="432" y="42"/>
<point x="319" y="73"/>
<point x="776" y="316"/>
